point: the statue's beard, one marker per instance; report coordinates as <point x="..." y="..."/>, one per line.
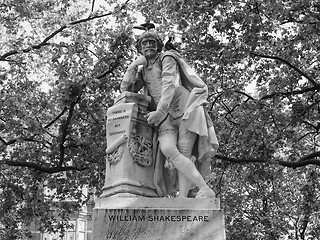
<point x="150" y="53"/>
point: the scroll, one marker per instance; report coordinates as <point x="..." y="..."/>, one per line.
<point x="113" y="146"/>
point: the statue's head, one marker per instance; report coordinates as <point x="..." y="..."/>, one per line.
<point x="149" y="44"/>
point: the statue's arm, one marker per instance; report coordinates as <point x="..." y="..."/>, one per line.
<point x="132" y="80"/>
<point x="170" y="73"/>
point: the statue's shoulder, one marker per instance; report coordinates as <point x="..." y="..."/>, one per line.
<point x="171" y="53"/>
<point x="176" y="55"/>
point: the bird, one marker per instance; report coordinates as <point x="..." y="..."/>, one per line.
<point x="145" y="26"/>
<point x="169" y="45"/>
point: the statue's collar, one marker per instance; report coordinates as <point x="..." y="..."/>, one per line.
<point x="152" y="61"/>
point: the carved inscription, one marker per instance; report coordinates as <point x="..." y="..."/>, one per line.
<point x="118" y="130"/>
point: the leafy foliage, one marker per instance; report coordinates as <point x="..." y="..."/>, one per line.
<point x="61" y="65"/>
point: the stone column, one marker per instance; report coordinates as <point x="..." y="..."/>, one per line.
<point x="129" y="165"/>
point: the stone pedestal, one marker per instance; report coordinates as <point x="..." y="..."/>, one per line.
<point x="129" y="207"/>
<point x="158" y="218"/>
<point x="129" y="168"/>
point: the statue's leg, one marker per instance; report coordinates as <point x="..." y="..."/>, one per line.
<point x="188" y="169"/>
<point x="205" y="168"/>
<point x="185" y="144"/>
<point x="184" y="165"/>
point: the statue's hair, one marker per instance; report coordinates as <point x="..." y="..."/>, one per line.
<point x="149" y="34"/>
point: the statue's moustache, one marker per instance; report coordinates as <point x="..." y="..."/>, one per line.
<point x="150" y="49"/>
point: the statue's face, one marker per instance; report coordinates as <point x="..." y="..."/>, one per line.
<point x="149" y="47"/>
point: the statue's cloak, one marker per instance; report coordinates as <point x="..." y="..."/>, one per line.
<point x="196" y="119"/>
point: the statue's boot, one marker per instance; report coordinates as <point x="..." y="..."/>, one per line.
<point x="206" y="193"/>
<point x="188" y="169"/>
<point x="184" y="186"/>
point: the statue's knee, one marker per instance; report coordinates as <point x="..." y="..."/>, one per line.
<point x="169" y="150"/>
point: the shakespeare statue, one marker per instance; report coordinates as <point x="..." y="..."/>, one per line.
<point x="185" y="136"/>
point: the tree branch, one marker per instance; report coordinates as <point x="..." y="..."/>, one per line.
<point x="65" y="132"/>
<point x="309" y="78"/>
<point x="245" y="94"/>
<point x="41" y="168"/>
<point x="111" y="68"/>
<point x="310" y="156"/>
<point x="300" y="163"/>
<point x="315" y="127"/>
<point x="46" y="40"/>
<point x="12" y="141"/>
<point x="92" y="5"/>
<point x="295" y="92"/>
<point x="310" y="159"/>
<point x="239" y="160"/>
<point x="56" y="118"/>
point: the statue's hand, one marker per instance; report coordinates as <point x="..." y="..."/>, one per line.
<point x="156" y="117"/>
<point x="141" y="60"/>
